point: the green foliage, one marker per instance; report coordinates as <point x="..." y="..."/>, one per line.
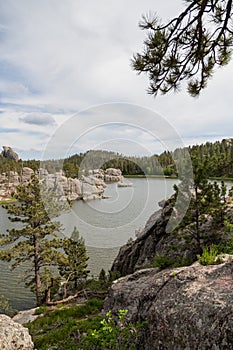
<point x="100" y="284"/>
<point x="74" y="265"/>
<point x="187" y="48"/>
<point x="218" y="155"/>
<point x="80" y="327"/>
<point x="103" y="278"/>
<point x="209" y="256"/>
<point x="5" y="307"/>
<point x="40" y="310"/>
<point x="111" y="335"/>
<point x="207" y="206"/>
<point x="162" y="261"/>
<point x="35" y="241"/>
<point x="64" y="328"/>
<point x="180" y="261"/>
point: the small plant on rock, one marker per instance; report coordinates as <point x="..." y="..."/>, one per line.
<point x="209" y="256"/>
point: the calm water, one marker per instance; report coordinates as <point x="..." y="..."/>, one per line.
<point x="105" y="224"/>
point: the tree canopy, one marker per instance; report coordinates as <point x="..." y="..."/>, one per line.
<point x="35" y="241"/>
<point x="74" y="266"/>
<point x="189" y="47"/>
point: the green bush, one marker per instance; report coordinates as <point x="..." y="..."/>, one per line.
<point x="209" y="256"/>
<point x="62" y="328"/>
<point x="82" y="328"/>
<point x="5" y="307"/>
<point x="40" y="310"/>
<point x="180" y="261"/>
<point x="162" y="261"/>
<point x="109" y="335"/>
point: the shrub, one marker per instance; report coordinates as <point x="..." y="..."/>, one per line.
<point x="110" y="335"/>
<point x="162" y="261"/>
<point x="209" y="256"/>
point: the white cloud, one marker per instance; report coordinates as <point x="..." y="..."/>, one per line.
<point x="38" y="119"/>
<point x="59" y="57"/>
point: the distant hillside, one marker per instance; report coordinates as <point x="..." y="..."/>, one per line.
<point x="217" y="158"/>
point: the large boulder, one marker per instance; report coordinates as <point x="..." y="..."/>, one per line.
<point x="9" y="153"/>
<point x="14" y="336"/>
<point x="184" y="308"/>
<point x="113" y="175"/>
<point x="26" y="174"/>
<point x="113" y="172"/>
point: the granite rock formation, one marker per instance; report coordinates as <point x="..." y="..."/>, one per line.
<point x="184" y="308"/>
<point x="153" y="240"/>
<point x="14" y="336"/>
<point x="150" y="240"/>
<point x="86" y="188"/>
<point x="9" y="153"/>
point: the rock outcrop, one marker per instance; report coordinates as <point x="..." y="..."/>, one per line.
<point x="185" y="308"/>
<point x="108" y="175"/>
<point x="113" y="175"/>
<point x="9" y="153"/>
<point x="153" y="240"/>
<point x="25" y="316"/>
<point x="14" y="336"/>
<point x="86" y="188"/>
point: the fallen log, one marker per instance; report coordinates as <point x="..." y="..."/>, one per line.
<point x="83" y="293"/>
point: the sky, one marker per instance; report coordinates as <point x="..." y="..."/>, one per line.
<point x="67" y="85"/>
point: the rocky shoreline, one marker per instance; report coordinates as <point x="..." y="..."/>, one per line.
<point x="86" y="188"/>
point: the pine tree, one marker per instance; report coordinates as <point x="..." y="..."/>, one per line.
<point x="35" y="242"/>
<point x="74" y="266"/>
<point x="208" y="200"/>
<point x="189" y="47"/>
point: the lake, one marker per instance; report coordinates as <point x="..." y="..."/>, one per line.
<point x="105" y="224"/>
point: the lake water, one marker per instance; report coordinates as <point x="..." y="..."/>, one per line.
<point x="105" y="224"/>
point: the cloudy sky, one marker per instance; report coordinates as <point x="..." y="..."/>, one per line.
<point x="65" y="75"/>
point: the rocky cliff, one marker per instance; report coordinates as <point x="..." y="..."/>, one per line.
<point x="150" y="241"/>
<point x="153" y="240"/>
<point x="9" y="153"/>
<point x="184" y="308"/>
<point x="14" y="336"/>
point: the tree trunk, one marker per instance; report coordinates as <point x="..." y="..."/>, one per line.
<point x="48" y="292"/>
<point x="197" y="217"/>
<point x="83" y="293"/>
<point x="37" y="271"/>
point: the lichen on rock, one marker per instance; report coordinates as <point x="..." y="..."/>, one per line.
<point x="184" y="308"/>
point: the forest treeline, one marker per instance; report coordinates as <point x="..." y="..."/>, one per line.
<point x="217" y="158"/>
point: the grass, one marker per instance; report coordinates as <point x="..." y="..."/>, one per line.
<point x="62" y="328"/>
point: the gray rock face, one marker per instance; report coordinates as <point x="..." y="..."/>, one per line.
<point x="153" y="240"/>
<point x="184" y="308"/>
<point x="14" y="336"/>
<point x="25" y="316"/>
<point x="113" y="175"/>
<point x="9" y="153"/>
<point x="142" y="251"/>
